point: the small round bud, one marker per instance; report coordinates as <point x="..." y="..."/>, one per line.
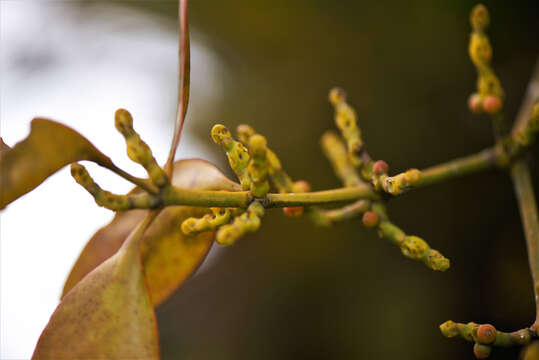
<point x="245" y="132"/>
<point x="482" y="351"/>
<point x="302" y="186"/>
<point x="257" y="145"/>
<point x="492" y="104"/>
<point x="219" y="132"/>
<point x="123" y="121"/>
<point x="486" y="334"/>
<point x="380" y="167"/>
<point x="293" y="211"/>
<point x="336" y="95"/>
<point x="414" y="247"/>
<point x="475" y="104"/>
<point x="479" y="17"/>
<point x="449" y="329"/>
<point x="437" y="261"/>
<point x="370" y="219"/>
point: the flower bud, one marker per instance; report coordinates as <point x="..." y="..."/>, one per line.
<point x="337" y="96"/>
<point x="475" y="104"/>
<point x="293" y="211"/>
<point x="380" y="167"/>
<point x="486" y="334"/>
<point x="492" y="104"/>
<point x="370" y="219"/>
<point x="481" y="351"/>
<point x="302" y="186"/>
<point x="479" y="17"/>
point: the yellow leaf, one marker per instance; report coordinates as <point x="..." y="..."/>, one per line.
<point x="108" y="315"/>
<point x="169" y="257"/>
<point x="49" y="147"/>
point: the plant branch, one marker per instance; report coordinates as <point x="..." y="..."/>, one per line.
<point x="532" y="94"/>
<point x="520" y="173"/>
<point x="458" y="167"/>
<point x="350" y="211"/>
<point x="171" y="196"/>
<point x="177" y="196"/>
<point x="469" y="332"/>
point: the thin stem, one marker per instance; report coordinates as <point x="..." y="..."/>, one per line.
<point x="327" y="197"/>
<point x="458" y="167"/>
<point x="329" y="217"/>
<point x="532" y="94"/>
<point x="142" y="183"/>
<point x="520" y="173"/>
<point x="178" y="196"/>
<point x="183" y="84"/>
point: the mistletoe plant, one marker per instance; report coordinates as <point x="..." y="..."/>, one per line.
<point x="165" y="226"/>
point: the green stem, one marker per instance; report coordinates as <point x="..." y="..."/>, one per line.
<point x="532" y="94"/>
<point x="329" y="217"/>
<point x="177" y="196"/>
<point x="468" y="332"/>
<point x="327" y="197"/>
<point x="520" y="173"/>
<point x="459" y="167"/>
<point x="142" y="183"/>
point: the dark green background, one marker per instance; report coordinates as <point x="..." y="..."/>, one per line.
<point x="292" y="291"/>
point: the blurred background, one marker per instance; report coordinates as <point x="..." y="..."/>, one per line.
<point x="289" y="291"/>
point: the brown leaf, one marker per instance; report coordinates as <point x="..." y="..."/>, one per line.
<point x="3" y="147"/>
<point x="49" y="147"/>
<point x="169" y="257"/>
<point x="108" y="315"/>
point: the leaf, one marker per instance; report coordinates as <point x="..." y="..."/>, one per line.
<point x="3" y="147"/>
<point x="108" y="315"/>
<point x="49" y="147"/>
<point x="169" y="257"/>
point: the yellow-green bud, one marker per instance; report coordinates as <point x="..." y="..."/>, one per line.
<point x="137" y="150"/>
<point x="244" y="132"/>
<point x="102" y="198"/>
<point x="479" y="17"/>
<point x="218" y="217"/>
<point x="346" y="120"/>
<point x="249" y="221"/>
<point x="258" y="167"/>
<point x="436" y="261"/>
<point x="414" y="247"/>
<point x="237" y="154"/>
<point x="449" y="329"/>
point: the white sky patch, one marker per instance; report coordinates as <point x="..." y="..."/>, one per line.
<point x="77" y="64"/>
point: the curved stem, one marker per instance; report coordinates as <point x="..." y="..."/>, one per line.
<point x="142" y="183"/>
<point x="183" y="85"/>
